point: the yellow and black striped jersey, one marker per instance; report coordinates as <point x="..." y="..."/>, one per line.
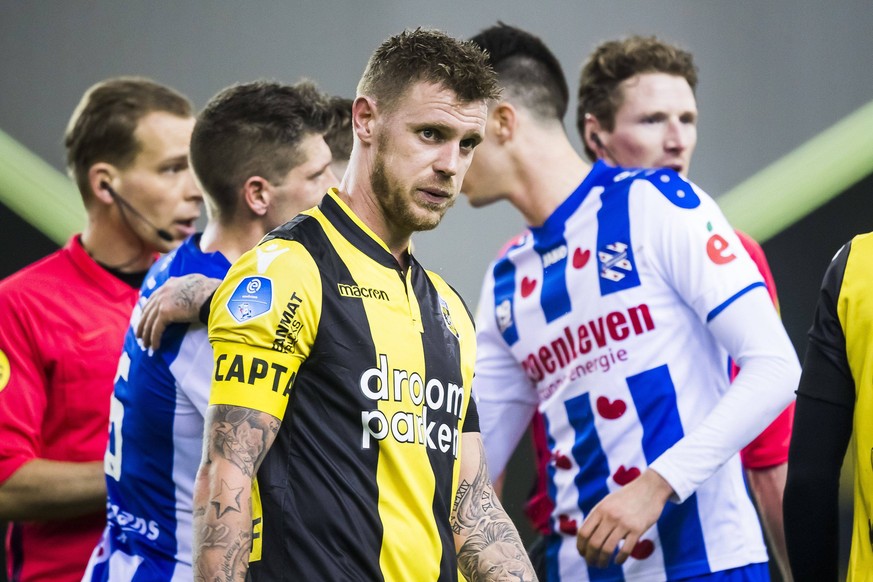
<point x="369" y="370"/>
<point x="839" y="370"/>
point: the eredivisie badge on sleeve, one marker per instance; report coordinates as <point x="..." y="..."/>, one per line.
<point x="251" y="298"/>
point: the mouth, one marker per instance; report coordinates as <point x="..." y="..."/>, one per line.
<point x="436" y="195"/>
<point x="185" y="227"/>
<point x="678" y="167"/>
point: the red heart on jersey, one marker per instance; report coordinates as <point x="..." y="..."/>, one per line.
<point x="567" y="525"/>
<point x="610" y="410"/>
<point x="528" y="286"/>
<point x="624" y="476"/>
<point x="580" y="258"/>
<point x="643" y="549"/>
<point x="562" y="461"/>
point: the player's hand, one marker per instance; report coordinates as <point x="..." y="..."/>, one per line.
<point x="625" y="514"/>
<point x="178" y="300"/>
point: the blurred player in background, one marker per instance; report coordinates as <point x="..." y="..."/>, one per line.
<point x="257" y="150"/>
<point x="612" y="317"/>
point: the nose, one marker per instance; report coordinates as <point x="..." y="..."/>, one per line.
<point x="448" y="159"/>
<point x="675" y="141"/>
<point x="192" y="188"/>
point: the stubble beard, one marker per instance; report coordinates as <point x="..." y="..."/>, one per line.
<point x="398" y="206"/>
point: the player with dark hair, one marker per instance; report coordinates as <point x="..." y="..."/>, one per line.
<point x="64" y="319"/>
<point x="340" y="137"/>
<point x="257" y="150"/>
<point x="343" y="369"/>
<point x="614" y="315"/>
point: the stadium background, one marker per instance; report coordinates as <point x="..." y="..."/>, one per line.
<point x="786" y="127"/>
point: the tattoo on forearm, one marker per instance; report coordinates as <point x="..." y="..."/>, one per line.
<point x="214" y="536"/>
<point x="492" y="549"/>
<point x="234" y="553"/>
<point x="227" y="499"/>
<point x="240" y="435"/>
<point x="190" y="293"/>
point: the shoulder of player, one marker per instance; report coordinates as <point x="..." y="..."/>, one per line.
<point x="38" y="281"/>
<point x="673" y="187"/>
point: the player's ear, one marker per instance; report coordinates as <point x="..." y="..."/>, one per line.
<point x="592" y="132"/>
<point x="257" y="194"/>
<point x="98" y="174"/>
<point x="505" y="119"/>
<point x="364" y="114"/>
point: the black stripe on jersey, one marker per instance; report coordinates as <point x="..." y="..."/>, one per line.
<point x="827" y="343"/>
<point x="353" y="233"/>
<point x="441" y="352"/>
<point x="345" y="543"/>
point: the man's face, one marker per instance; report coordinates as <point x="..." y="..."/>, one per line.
<point x="306" y="183"/>
<point x="423" y="148"/>
<point x="655" y="125"/>
<point x="159" y="184"/>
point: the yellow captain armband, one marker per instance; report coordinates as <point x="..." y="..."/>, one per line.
<point x="252" y="377"/>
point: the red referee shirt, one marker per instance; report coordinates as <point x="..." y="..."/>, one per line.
<point x="62" y="324"/>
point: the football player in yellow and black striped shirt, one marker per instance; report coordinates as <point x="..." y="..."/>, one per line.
<point x="834" y="408"/>
<point x="343" y="369"/>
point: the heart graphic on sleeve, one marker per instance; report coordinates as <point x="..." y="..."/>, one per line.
<point x="568" y="526"/>
<point x="624" y="476"/>
<point x="643" y="549"/>
<point x="562" y="461"/>
<point x="580" y="258"/>
<point x="528" y="286"/>
<point x="610" y="410"/>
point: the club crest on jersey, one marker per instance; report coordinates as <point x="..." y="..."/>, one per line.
<point x="614" y="261"/>
<point x="503" y="313"/>
<point x="252" y="297"/>
<point x="447" y="318"/>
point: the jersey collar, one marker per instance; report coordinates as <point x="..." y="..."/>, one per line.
<point x="355" y="231"/>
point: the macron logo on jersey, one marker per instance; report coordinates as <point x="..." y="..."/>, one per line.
<point x="267" y="254"/>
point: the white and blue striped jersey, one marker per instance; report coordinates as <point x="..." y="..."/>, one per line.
<point x="156" y="438"/>
<point x="603" y="318"/>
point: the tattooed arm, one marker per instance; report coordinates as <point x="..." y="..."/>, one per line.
<point x="237" y="439"/>
<point x="180" y="299"/>
<point x="487" y="542"/>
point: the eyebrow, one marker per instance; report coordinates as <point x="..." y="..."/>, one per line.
<point x="176" y="158"/>
<point x="320" y="170"/>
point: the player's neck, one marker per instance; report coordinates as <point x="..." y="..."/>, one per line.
<point x="552" y="171"/>
<point x="233" y="239"/>
<point x="356" y="192"/>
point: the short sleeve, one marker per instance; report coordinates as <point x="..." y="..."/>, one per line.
<point x="23" y="394"/>
<point x="826" y="373"/>
<point x="262" y="325"/>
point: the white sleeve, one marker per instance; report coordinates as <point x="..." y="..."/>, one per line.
<point x="769" y="372"/>
<point x="505" y="397"/>
<point x="192" y="367"/>
<point x="702" y="258"/>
